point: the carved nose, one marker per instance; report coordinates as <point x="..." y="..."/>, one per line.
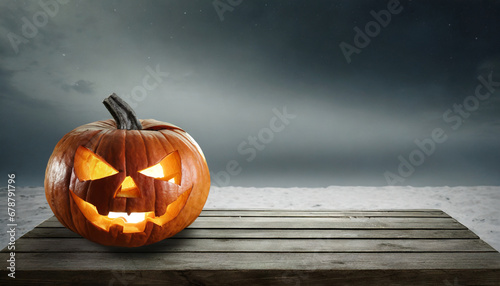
<point x="128" y="189"/>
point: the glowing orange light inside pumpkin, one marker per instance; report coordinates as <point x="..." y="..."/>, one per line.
<point x="89" y="166"/>
<point x="105" y="222"/>
<point x="130" y="218"/>
<point x="169" y="169"/>
<point x="155" y="171"/>
<point x="128" y="189"/>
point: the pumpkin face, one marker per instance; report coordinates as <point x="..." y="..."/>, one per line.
<point x="127" y="187"/>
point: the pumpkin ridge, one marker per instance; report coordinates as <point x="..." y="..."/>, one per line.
<point x="188" y="142"/>
<point x="156" y="125"/>
<point x="153" y="191"/>
<point x="158" y="141"/>
<point x="182" y="159"/>
<point x="95" y="146"/>
<point x="49" y="189"/>
<point x="124" y="164"/>
<point x="107" y="124"/>
<point x="146" y="148"/>
<point x="132" y="138"/>
<point x="74" y="178"/>
<point x="102" y="134"/>
<point x="107" y="144"/>
<point x="69" y="154"/>
<point x="160" y="137"/>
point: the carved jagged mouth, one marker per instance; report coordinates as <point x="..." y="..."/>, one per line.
<point x="135" y="222"/>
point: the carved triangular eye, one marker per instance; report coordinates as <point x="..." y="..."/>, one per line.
<point x="89" y="166"/>
<point x="168" y="169"/>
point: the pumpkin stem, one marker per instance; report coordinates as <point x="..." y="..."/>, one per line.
<point x="122" y="113"/>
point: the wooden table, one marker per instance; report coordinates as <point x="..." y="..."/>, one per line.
<point x="267" y="247"/>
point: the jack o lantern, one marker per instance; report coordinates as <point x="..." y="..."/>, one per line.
<point x="126" y="182"/>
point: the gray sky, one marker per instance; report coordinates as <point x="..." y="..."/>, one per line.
<point x="351" y="121"/>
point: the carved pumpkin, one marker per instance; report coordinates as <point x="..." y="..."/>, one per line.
<point x="126" y="182"/>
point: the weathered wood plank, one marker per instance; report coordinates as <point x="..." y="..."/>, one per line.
<point x="253" y="261"/>
<point x="277" y="245"/>
<point x="285" y="233"/>
<point x="325" y="233"/>
<point x="333" y="211"/>
<point x="413" y="277"/>
<point x="326" y="223"/>
<point x="51" y="232"/>
<point x="298" y="213"/>
<point x="50" y="223"/>
<point x="316" y="223"/>
<point x="252" y="213"/>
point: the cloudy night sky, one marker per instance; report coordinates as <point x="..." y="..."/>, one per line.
<point x="223" y="72"/>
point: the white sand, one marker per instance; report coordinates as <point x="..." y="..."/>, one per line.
<point x="478" y="208"/>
